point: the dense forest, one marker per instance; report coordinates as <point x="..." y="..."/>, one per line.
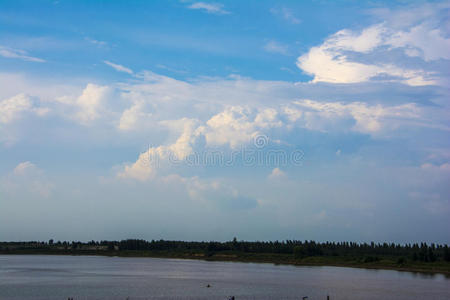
<point x="293" y="249"/>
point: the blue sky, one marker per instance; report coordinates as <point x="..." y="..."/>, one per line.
<point x="324" y="120"/>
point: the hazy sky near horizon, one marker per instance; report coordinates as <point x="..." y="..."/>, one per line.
<point x="264" y="120"/>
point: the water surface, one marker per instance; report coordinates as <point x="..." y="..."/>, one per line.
<point x="92" y="277"/>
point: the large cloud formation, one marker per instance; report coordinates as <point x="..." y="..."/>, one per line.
<point x="372" y="125"/>
<point x="372" y="53"/>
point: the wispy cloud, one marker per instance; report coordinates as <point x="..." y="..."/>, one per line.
<point x="286" y="14"/>
<point x="19" y="54"/>
<point x="210" y="8"/>
<point x="276" y="47"/>
<point x="118" y="67"/>
<point x="164" y="67"/>
<point x="96" y="42"/>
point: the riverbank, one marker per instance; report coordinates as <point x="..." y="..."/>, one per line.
<point x="385" y="263"/>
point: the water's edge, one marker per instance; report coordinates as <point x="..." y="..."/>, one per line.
<point x="372" y="266"/>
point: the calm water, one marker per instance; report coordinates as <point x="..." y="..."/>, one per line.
<point x="89" y="277"/>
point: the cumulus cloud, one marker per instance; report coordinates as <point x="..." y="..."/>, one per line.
<point x="18" y="54"/>
<point x="424" y="41"/>
<point x="118" y="67"/>
<point x="232" y="111"/>
<point x="142" y="170"/>
<point x="88" y="106"/>
<point x="27" y="178"/>
<point x="205" y="113"/>
<point x="133" y="117"/>
<point x="332" y="62"/>
<point x="210" y="8"/>
<point x="12" y="108"/>
<point x="226" y="113"/>
<point x="369" y="119"/>
<point x="233" y="127"/>
<point x="371" y="54"/>
<point x="147" y="164"/>
<point x="370" y="98"/>
<point x="91" y="102"/>
<point x="237" y="125"/>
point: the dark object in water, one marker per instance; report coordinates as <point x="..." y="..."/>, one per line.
<point x="208" y="286"/>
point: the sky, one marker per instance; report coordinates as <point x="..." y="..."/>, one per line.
<point x="261" y="120"/>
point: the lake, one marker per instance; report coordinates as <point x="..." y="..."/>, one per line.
<point x="96" y="277"/>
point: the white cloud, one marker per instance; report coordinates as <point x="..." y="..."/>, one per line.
<point x="231" y="111"/>
<point x="134" y="117"/>
<point x="24" y="168"/>
<point x="368" y="119"/>
<point x="327" y="67"/>
<point x="12" y="108"/>
<point x="214" y="192"/>
<point x="286" y="13"/>
<point x="211" y="193"/>
<point x="96" y="42"/>
<point x="211" y="8"/>
<point x="118" y="67"/>
<point x="142" y="170"/>
<point x="19" y="54"/>
<point x="372" y="54"/>
<point x="237" y="125"/>
<point x="206" y="113"/>
<point x="147" y="164"/>
<point x="183" y="117"/>
<point x="91" y="102"/>
<point x="445" y="167"/>
<point x="26" y="178"/>
<point x="412" y="15"/>
<point x="364" y="42"/>
<point x="188" y="133"/>
<point x="276" y="47"/>
<point x="422" y="40"/>
<point x="330" y="62"/>
<point x="277" y="174"/>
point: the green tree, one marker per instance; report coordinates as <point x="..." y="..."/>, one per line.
<point x="299" y="252"/>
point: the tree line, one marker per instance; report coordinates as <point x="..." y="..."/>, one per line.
<point x="297" y="249"/>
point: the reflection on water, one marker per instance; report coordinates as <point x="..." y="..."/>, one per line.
<point x="88" y="277"/>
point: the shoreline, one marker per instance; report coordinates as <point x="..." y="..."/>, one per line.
<point x="307" y="262"/>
